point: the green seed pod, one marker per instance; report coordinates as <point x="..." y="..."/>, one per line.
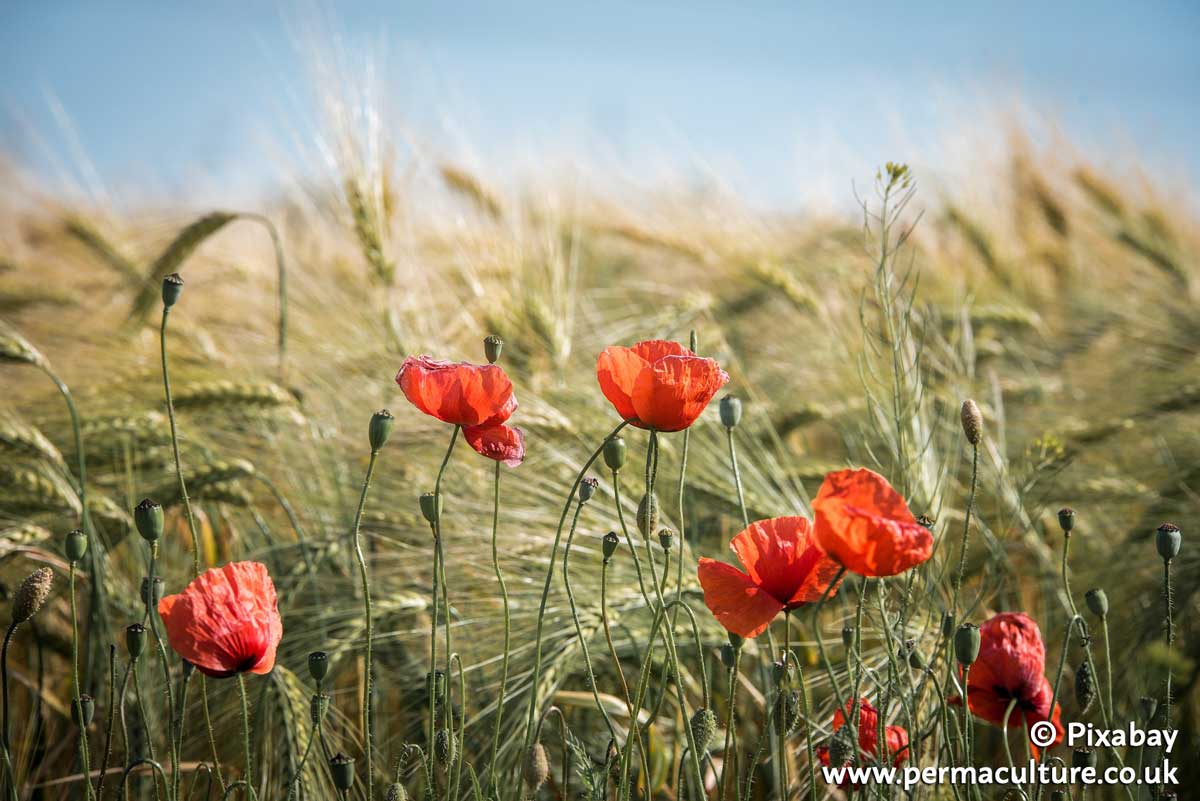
<point x="395" y="792"/>
<point x="909" y="651"/>
<point x="1083" y="758"/>
<point x="666" y="538"/>
<point x="966" y="644"/>
<point x="492" y="346"/>
<point x="86" y="706"/>
<point x="1085" y="687"/>
<point x="380" y="428"/>
<point x="728" y="656"/>
<point x="135" y="639"/>
<point x="341" y="769"/>
<point x="435" y="683"/>
<point x="587" y="488"/>
<point x="704" y="726"/>
<point x="75" y="546"/>
<point x="1097" y="601"/>
<point x="647" y="515"/>
<point x="736" y="640"/>
<point x="32" y="594"/>
<point x="1168" y="540"/>
<point x="318" y="666"/>
<point x="145" y="592"/>
<point x="172" y="288"/>
<point x="1147" y="707"/>
<point x="787" y="711"/>
<point x="841" y="747"/>
<point x="847" y="636"/>
<point x="148" y="517"/>
<point x="1066" y="519"/>
<point x="610" y="544"/>
<point x="536" y="769"/>
<point x="730" y="409"/>
<point x="614" y="453"/>
<point x="318" y="706"/>
<point x="948" y="625"/>
<point x="444" y="746"/>
<point x="972" y="421"/>
<point x="431" y="506"/>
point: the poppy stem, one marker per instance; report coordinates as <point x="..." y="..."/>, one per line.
<point x="962" y="552"/>
<point x="507" y="632"/>
<point x="249" y="774"/>
<point x="152" y="615"/>
<point x="833" y="680"/>
<point x="782" y="728"/>
<point x="1007" y="749"/>
<point x="145" y="721"/>
<point x="12" y="773"/>
<point x="729" y="752"/>
<point x="77" y="701"/>
<point x="367" y="723"/>
<point x="110" y="724"/>
<point x="635" y="728"/>
<point x="737" y="478"/>
<point x="1168" y="603"/>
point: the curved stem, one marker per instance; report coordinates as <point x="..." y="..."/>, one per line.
<point x="145" y="721"/>
<point x="507" y="631"/>
<point x="12" y="773"/>
<point x="727" y="753"/>
<point x="249" y="775"/>
<point x="152" y="615"/>
<point x="635" y="729"/>
<point x="77" y="701"/>
<point x="438" y="578"/>
<point x="368" y="728"/>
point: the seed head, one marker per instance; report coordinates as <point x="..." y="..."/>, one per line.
<point x="380" y="428"/>
<point x="587" y="488"/>
<point x="1168" y="540"/>
<point x="395" y="792"/>
<point x="966" y="644"/>
<point x="1097" y="601"/>
<point x="1085" y="687"/>
<point x="731" y="411"/>
<point x="32" y="594"/>
<point x="431" y="506"/>
<point x="135" y="639"/>
<point x="610" y="544"/>
<point x="948" y="625"/>
<point x="318" y="666"/>
<point x="341" y="768"/>
<point x="15" y="349"/>
<point x="704" y="726"/>
<point x="1083" y="758"/>
<point x="614" y="453"/>
<point x="537" y="767"/>
<point x="492" y="345"/>
<point x="847" y="636"/>
<point x="665" y="538"/>
<point x="75" y="545"/>
<point x="647" y="515"/>
<point x="148" y="517"/>
<point x="972" y="421"/>
<point x="172" y="288"/>
<point x="1066" y="519"/>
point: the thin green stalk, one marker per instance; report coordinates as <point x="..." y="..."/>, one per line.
<point x="112" y="717"/>
<point x="507" y="630"/>
<point x="784" y="788"/>
<point x="962" y="552"/>
<point x="833" y="680"/>
<point x="249" y="775"/>
<point x="12" y="773"/>
<point x="141" y="707"/>
<point x="635" y="729"/>
<point x="438" y="578"/>
<point x="152" y="615"/>
<point x="1004" y="734"/>
<point x="808" y="742"/>
<point x="737" y="478"/>
<point x="77" y="702"/>
<point x="728" y="753"/>
<point x="368" y="728"/>
<point x="1168" y="603"/>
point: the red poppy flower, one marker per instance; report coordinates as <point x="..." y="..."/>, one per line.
<point x="457" y="392"/>
<point x="1011" y="664"/>
<point x="226" y="621"/>
<point x="868" y="737"/>
<point x="864" y="524"/>
<point x="500" y="442"/>
<point x="784" y="569"/>
<point x="658" y="384"/>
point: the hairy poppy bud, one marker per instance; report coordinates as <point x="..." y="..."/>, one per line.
<point x="728" y="656"/>
<point x="1147" y="706"/>
<point x="492" y="345"/>
<point x="1085" y="687"/>
<point x="395" y="792"/>
<point x="147" y="584"/>
<point x="1097" y="601"/>
<point x="172" y="288"/>
<point x="972" y="421"/>
<point x="318" y="666"/>
<point x="647" y="515"/>
<point x="1168" y="540"/>
<point x="665" y="538"/>
<point x="736" y="640"/>
<point x="76" y="545"/>
<point x="731" y="411"/>
<point x="787" y="711"/>
<point x="443" y="746"/>
<point x="847" y="636"/>
<point x="609" y="546"/>
<point x="84" y="706"/>
<point x="966" y="644"/>
<point x="536" y="769"/>
<point x="32" y="594"/>
<point x="341" y="770"/>
<point x="614" y="453"/>
<point x="1066" y="519"/>
<point x="380" y="428"/>
<point x="318" y="705"/>
<point x="587" y="488"/>
<point x="841" y="747"/>
<point x="431" y="506"/>
<point x="1083" y="758"/>
<point x="135" y="639"/>
<point x="910" y="652"/>
<point x="704" y="726"/>
<point x="779" y="671"/>
<point x="435" y="683"/>
<point x="148" y="517"/>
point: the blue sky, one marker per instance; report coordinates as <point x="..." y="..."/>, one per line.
<point x="769" y="94"/>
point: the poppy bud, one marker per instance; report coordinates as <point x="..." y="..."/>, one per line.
<point x="380" y="428"/>
<point x="948" y="625"/>
<point x="84" y="705"/>
<point x="1085" y="687"/>
<point x="665" y="538"/>
<point x="443" y="746"/>
<point x="847" y="636"/>
<point x="1097" y="601"/>
<point x="614" y="453"/>
<point x="915" y="660"/>
<point x="76" y="545"/>
<point x="736" y="640"/>
<point x="431" y="506"/>
<point x="148" y="517"/>
<point x="966" y="644"/>
<point x="841" y="747"/>
<point x="787" y="711"/>
<point x="395" y="792"/>
<point x="1147" y="707"/>
<point x="172" y="288"/>
<point x="647" y="515"/>
<point x="704" y="726"/>
<point x="318" y="666"/>
<point x="492" y="345"/>
<point x="779" y="671"/>
<point x="318" y="705"/>
<point x="728" y="656"/>
<point x="1083" y="758"/>
<point x="32" y="594"/>
<point x="731" y="411"/>
<point x="145" y="592"/>
<point x="435" y="683"/>
<point x="609" y="546"/>
<point x="135" y="639"/>
<point x="972" y="421"/>
<point x="537" y="767"/>
<point x="587" y="488"/>
<point x="1168" y="539"/>
<point x="341" y="769"/>
<point x="1066" y="519"/>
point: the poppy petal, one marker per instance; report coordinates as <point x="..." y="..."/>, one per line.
<point x="502" y="443"/>
<point x="673" y="391"/>
<point x="457" y="392"/>
<point x="781" y="556"/>
<point x="617" y="370"/>
<point x="737" y="603"/>
<point x="866" y="526"/>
